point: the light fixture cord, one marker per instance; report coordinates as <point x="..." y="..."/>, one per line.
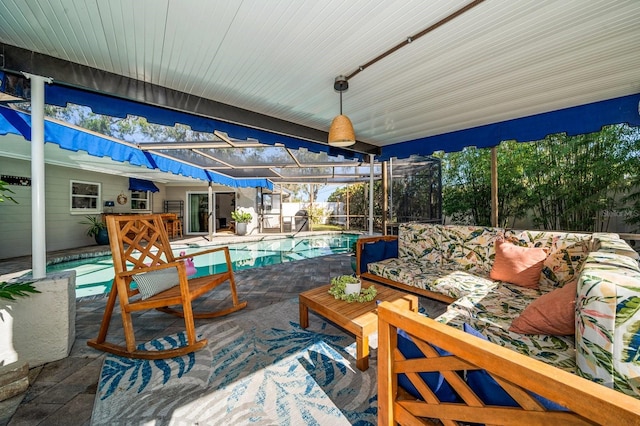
<point x="341" y="102"/>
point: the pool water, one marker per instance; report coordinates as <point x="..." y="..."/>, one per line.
<point x="94" y="275"/>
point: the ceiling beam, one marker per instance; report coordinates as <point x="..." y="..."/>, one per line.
<point x="17" y="60"/>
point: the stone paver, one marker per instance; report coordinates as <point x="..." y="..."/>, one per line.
<point x="63" y="392"/>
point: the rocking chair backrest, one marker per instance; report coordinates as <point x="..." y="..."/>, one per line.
<point x="138" y="242"/>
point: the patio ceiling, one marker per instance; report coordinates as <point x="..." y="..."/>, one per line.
<point x="270" y="65"/>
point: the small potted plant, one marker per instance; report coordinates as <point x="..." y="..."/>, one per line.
<point x="349" y="288"/>
<point x="97" y="229"/>
<point x="241" y="219"/>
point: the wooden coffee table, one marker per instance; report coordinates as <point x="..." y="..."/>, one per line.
<point x="360" y="319"/>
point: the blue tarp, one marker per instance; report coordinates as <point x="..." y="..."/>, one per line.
<point x="19" y="123"/>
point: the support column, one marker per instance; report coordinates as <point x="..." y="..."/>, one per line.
<point x="371" y="171"/>
<point x="212" y="208"/>
<point x="38" y="227"/>
<point x="494" y="186"/>
<point x="348" y="208"/>
<point x="385" y="199"/>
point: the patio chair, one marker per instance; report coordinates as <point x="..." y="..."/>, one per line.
<point x="142" y="255"/>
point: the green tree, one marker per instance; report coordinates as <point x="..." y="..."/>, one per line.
<point x="565" y="182"/>
<point x="573" y="179"/>
<point x="466" y="186"/>
<point x="357" y="197"/>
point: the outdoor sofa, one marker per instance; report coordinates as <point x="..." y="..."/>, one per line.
<point x="583" y="328"/>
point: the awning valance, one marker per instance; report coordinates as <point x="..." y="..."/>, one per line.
<point x="72" y="139"/>
<point x="573" y="121"/>
<point x="142" y="185"/>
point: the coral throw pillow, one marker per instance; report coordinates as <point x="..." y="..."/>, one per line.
<point x="553" y="313"/>
<point x="518" y="265"/>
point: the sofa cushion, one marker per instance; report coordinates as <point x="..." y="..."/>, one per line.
<point x="518" y="265"/>
<point x="609" y="261"/>
<point x="490" y="392"/>
<point x="469" y="248"/>
<point x="553" y="313"/>
<point x="371" y="252"/>
<point x="457" y="284"/>
<point x="420" y="242"/>
<point x="409" y="272"/>
<point x="435" y="381"/>
<point x="567" y="252"/>
<point x="497" y="306"/>
<point x="492" y="312"/>
<point x="391" y="249"/>
<point x="612" y="243"/>
<point x="608" y="325"/>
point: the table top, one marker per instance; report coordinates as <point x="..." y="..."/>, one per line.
<point x="360" y="315"/>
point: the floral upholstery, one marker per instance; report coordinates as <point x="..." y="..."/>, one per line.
<point x="608" y="322"/>
<point x="457" y="284"/>
<point x="567" y="251"/>
<point x="410" y="272"/>
<point x="469" y="248"/>
<point x="420" y="243"/>
<point x="456" y="260"/>
<point x="612" y="243"/>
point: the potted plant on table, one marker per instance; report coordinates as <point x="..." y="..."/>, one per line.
<point x="349" y="288"/>
<point x="241" y="219"/>
<point x="97" y="229"/>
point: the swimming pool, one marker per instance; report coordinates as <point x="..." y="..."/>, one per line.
<point x="94" y="275"/>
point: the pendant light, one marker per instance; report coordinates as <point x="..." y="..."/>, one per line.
<point x="341" y="132"/>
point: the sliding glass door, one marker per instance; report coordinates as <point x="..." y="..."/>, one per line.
<point x="198" y="213"/>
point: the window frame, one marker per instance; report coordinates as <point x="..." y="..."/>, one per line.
<point x="77" y="196"/>
<point x="134" y="200"/>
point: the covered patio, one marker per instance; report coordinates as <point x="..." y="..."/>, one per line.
<point x="263" y="77"/>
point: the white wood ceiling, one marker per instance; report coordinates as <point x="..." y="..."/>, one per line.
<point x="503" y="59"/>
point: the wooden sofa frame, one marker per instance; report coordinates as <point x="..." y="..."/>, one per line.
<point x="587" y="401"/>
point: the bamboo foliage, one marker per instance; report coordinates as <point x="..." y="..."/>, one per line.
<point x="562" y="182"/>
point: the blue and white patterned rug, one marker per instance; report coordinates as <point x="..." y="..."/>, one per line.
<point x="258" y="368"/>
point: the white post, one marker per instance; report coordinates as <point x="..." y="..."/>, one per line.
<point x="212" y="208"/>
<point x="391" y="219"/>
<point x="38" y="227"/>
<point x="371" y="171"/>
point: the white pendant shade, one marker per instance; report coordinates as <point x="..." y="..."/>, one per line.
<point x="341" y="132"/>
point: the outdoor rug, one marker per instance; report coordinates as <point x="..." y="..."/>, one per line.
<point x="258" y="368"/>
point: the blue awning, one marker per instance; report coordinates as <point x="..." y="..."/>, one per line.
<point x="60" y="95"/>
<point x="72" y="139"/>
<point x="142" y="185"/>
<point x="577" y="120"/>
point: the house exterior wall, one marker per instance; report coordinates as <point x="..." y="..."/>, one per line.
<point x="63" y="230"/>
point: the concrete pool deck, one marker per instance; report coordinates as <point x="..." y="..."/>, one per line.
<point x="63" y="392"/>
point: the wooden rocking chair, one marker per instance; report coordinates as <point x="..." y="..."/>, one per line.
<point x="142" y="254"/>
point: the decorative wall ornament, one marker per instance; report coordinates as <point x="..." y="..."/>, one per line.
<point x="122" y="199"/>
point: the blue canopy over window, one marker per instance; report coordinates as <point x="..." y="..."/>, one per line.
<point x="142" y="185"/>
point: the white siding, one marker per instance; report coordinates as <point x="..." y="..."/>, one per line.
<point x="62" y="227"/>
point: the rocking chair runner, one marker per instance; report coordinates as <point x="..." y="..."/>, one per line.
<point x="142" y="253"/>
